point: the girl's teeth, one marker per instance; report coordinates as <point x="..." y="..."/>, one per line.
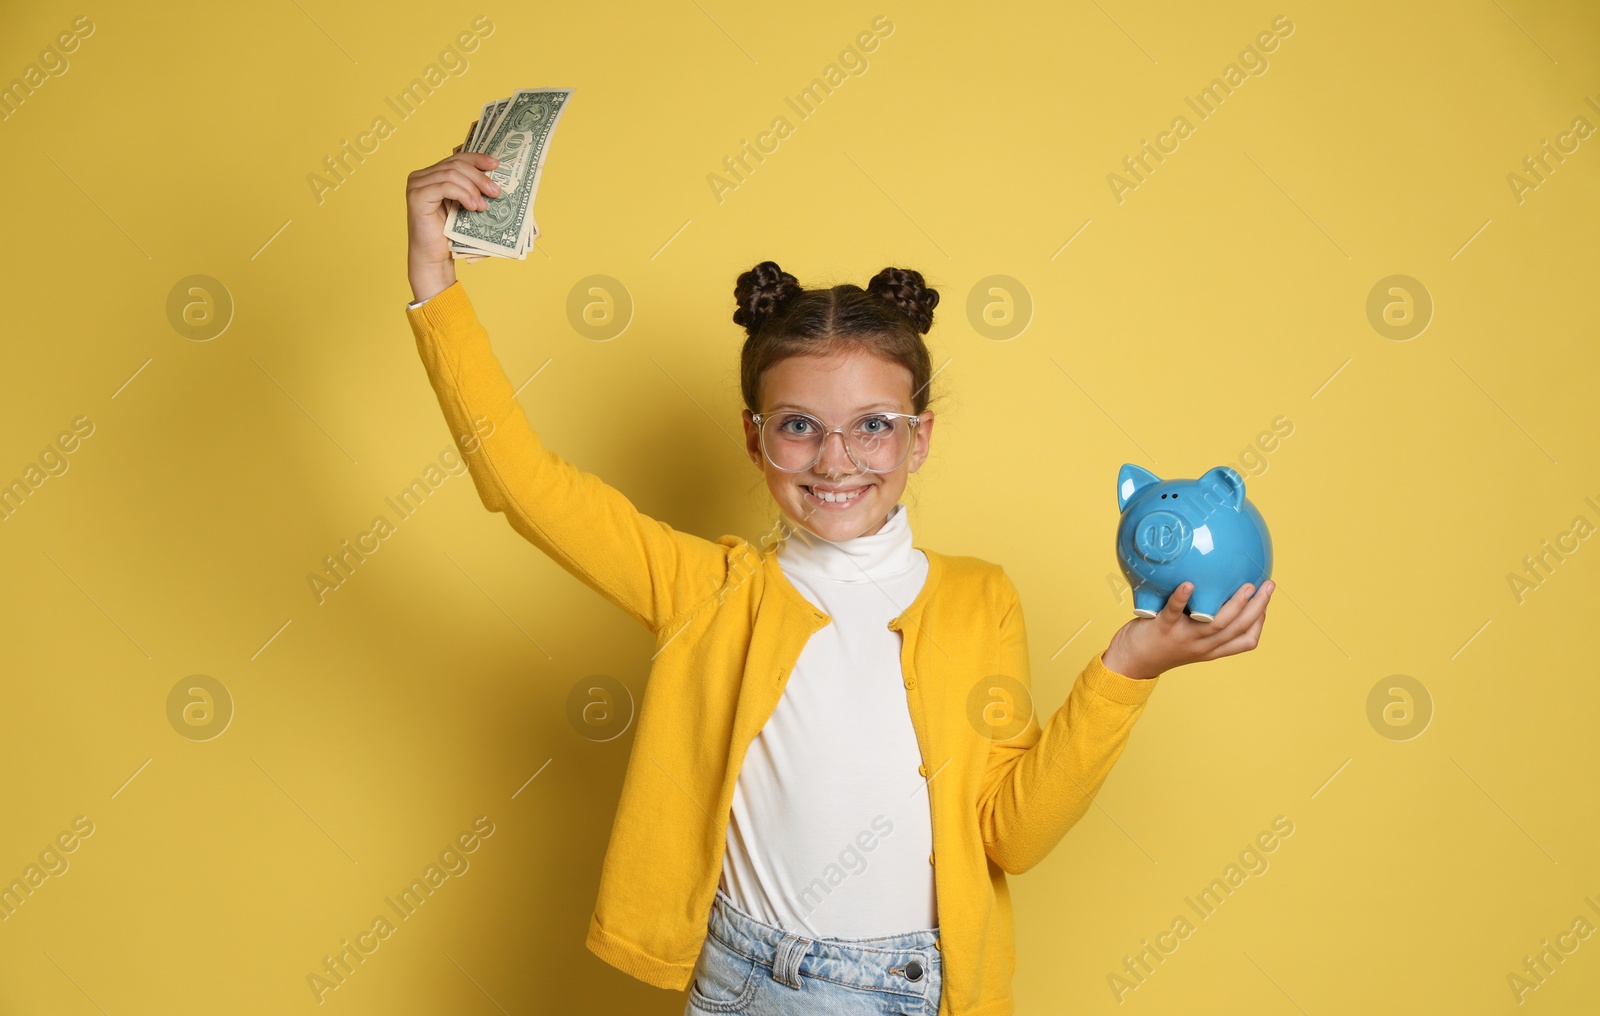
<point x="829" y="496"/>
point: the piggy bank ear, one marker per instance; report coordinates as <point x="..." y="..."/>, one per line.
<point x="1130" y="481"/>
<point x="1222" y="486"/>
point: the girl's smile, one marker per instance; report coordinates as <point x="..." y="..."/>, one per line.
<point x="833" y="498"/>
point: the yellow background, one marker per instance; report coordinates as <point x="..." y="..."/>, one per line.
<point x="1225" y="292"/>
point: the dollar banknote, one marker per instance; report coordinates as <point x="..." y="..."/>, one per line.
<point x="475" y="134"/>
<point x="516" y="131"/>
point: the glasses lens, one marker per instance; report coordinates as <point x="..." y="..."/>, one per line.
<point x="880" y="443"/>
<point x="791" y="440"/>
<point x="877" y="442"/>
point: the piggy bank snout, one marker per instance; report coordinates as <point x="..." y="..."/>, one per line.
<point x="1162" y="537"/>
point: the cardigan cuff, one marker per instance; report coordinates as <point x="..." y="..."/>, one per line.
<point x="447" y="310"/>
<point x="1120" y="688"/>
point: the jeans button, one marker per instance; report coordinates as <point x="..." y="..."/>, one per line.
<point x="913" y="971"/>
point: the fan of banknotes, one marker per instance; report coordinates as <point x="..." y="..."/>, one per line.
<point x="517" y="132"/>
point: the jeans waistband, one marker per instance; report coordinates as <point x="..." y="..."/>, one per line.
<point x="886" y="963"/>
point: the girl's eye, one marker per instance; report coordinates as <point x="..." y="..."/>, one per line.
<point x="795" y="425"/>
<point x="875" y="425"/>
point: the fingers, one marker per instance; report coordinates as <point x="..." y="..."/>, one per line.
<point x="475" y="160"/>
<point x="1245" y="610"/>
<point x="1230" y="610"/>
<point x="1259" y="599"/>
<point x="435" y="193"/>
<point x="1242" y="642"/>
<point x="454" y="181"/>
<point x="470" y="177"/>
<point x="468" y="161"/>
<point x="1179" y="599"/>
<point x="1242" y="607"/>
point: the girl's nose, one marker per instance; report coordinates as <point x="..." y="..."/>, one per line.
<point x="836" y="459"/>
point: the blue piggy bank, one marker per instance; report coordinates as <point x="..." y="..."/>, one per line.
<point x="1202" y="531"/>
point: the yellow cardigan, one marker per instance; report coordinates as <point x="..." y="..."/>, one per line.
<point x="729" y="628"/>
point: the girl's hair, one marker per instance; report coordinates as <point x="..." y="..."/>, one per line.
<point x="781" y="319"/>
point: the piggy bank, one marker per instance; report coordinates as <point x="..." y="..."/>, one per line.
<point x="1202" y="531"/>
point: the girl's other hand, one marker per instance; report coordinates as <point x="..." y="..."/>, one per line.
<point x="1148" y="647"/>
<point x="459" y="178"/>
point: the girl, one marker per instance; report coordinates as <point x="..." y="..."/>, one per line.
<point x="836" y="762"/>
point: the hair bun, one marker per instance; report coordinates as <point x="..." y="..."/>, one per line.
<point x="760" y="293"/>
<point x="905" y="288"/>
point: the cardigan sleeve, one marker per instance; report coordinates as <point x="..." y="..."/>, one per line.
<point x="1038" y="784"/>
<point x="645" y="567"/>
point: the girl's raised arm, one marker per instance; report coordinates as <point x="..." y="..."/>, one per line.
<point x="650" y="570"/>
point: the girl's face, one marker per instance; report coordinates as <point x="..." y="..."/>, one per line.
<point x="836" y="389"/>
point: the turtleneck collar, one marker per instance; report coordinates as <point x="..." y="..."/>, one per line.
<point x="884" y="554"/>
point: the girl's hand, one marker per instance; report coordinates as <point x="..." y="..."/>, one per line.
<point x="457" y="178"/>
<point x="1147" y="647"/>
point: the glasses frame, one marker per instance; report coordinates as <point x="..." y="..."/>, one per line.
<point x="760" y="419"/>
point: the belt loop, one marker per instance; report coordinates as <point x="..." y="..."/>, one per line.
<point x="786" y="964"/>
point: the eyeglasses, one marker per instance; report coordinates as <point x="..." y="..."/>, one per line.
<point x="876" y="442"/>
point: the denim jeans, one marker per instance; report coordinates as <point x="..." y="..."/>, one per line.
<point x="747" y="966"/>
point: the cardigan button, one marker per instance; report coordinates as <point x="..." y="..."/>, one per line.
<point x="922" y="769"/>
<point x="930" y="858"/>
<point x="937" y="946"/>
<point x="913" y="971"/>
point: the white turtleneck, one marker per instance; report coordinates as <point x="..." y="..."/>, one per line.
<point x="830" y="834"/>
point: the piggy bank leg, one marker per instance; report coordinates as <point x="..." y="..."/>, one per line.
<point x="1204" y="604"/>
<point x="1147" y="603"/>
